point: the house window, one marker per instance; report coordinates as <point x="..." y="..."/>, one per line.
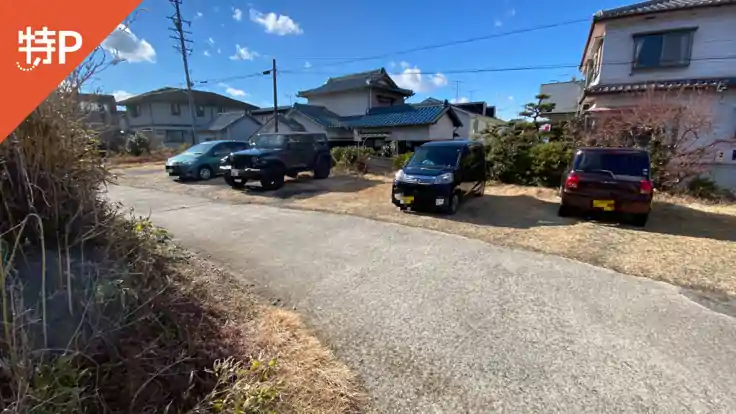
<point x="175" y="109"/>
<point x="135" y="111"/>
<point x="174" y="136"/>
<point x="385" y="101"/>
<point x="668" y="49"/>
<point x="200" y="111"/>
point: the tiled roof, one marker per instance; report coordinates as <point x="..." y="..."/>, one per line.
<point x="356" y="81"/>
<point x="656" y="6"/>
<point x="267" y="111"/>
<point x="661" y="85"/>
<point x="401" y="115"/>
<point x="180" y="95"/>
<point x="293" y="124"/>
<point x="319" y="114"/>
<point x="226" y="119"/>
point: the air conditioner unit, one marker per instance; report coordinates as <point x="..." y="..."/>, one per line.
<point x="720" y="156"/>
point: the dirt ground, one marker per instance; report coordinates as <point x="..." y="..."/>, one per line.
<point x="685" y="242"/>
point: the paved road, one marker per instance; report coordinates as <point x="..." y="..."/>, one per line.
<point x="441" y="323"/>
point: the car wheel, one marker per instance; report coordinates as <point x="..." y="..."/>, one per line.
<point x="564" y="211"/>
<point x="454" y="204"/>
<point x="204" y="173"/>
<point x="272" y="182"/>
<point x="322" y="169"/>
<point x="482" y="190"/>
<point x="640" y="220"/>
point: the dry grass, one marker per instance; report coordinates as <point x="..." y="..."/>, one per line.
<point x="686" y="242"/>
<point x="157" y="155"/>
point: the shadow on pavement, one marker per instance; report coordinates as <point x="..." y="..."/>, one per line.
<point x="305" y="186"/>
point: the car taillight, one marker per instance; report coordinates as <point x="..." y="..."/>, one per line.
<point x="572" y="181"/>
<point x="646" y="187"/>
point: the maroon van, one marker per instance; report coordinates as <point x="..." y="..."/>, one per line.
<point x="614" y="180"/>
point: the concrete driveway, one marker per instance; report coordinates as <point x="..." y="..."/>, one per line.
<point x="440" y="323"/>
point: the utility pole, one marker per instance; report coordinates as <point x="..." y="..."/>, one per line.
<point x="457" y="90"/>
<point x="470" y="94"/>
<point x="272" y="72"/>
<point x="180" y="37"/>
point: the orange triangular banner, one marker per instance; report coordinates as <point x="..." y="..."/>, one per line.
<point x="42" y="42"/>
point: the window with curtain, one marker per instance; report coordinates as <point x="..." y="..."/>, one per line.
<point x="668" y="49"/>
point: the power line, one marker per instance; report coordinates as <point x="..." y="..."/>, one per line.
<point x="455" y="42"/>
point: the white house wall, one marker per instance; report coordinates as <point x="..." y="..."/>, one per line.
<point x="443" y="129"/>
<point x="715" y="37"/>
<point x="412" y="133"/>
<point x="242" y="129"/>
<point x="343" y="103"/>
<point x="565" y="95"/>
<point x="158" y="114"/>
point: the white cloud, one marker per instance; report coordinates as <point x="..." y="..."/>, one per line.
<point x="277" y="24"/>
<point x="239" y="93"/>
<point x="242" y="53"/>
<point x="404" y="64"/>
<point x="211" y="41"/>
<point x="392" y="64"/>
<point x="498" y="23"/>
<point x="413" y="78"/>
<point x="123" y="44"/>
<point x="122" y="95"/>
<point x="199" y="15"/>
<point x="462" y="99"/>
<point x="511" y="98"/>
<point x="237" y="14"/>
<point x="207" y="53"/>
<point x="219" y="50"/>
<point x="307" y="65"/>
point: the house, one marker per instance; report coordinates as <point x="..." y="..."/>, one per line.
<point x="369" y="108"/>
<point x="263" y="115"/>
<point x="164" y="113"/>
<point x="237" y="126"/>
<point x="475" y="117"/>
<point x="665" y="45"/>
<point x="101" y="114"/>
<point x="566" y="97"/>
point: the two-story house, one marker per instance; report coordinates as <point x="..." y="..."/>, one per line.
<point x="367" y="107"/>
<point x="164" y="114"/>
<point x="565" y="96"/>
<point x="667" y="45"/>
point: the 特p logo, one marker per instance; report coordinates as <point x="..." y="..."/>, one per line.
<point x="40" y="46"/>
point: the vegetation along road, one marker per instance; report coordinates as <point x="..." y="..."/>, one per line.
<point x="434" y="322"/>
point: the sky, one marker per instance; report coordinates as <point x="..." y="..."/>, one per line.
<point x="233" y="42"/>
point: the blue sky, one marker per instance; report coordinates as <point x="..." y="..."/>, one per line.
<point x="312" y="40"/>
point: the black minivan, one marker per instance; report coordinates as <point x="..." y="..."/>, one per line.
<point x="440" y="175"/>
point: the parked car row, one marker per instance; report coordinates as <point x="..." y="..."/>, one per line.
<point x="266" y="158"/>
<point x="439" y="176"/>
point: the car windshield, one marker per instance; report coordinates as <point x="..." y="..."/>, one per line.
<point x="619" y="163"/>
<point x="268" y="141"/>
<point x="199" y="148"/>
<point x="435" y="156"/>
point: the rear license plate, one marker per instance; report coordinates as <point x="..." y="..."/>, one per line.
<point x="169" y="169"/>
<point x="407" y="200"/>
<point x="606" y="205"/>
<point x="234" y="173"/>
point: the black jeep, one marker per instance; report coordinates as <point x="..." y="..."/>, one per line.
<point x="273" y="156"/>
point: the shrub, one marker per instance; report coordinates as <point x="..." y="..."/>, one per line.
<point x="137" y="144"/>
<point x="508" y="155"/>
<point x="349" y="156"/>
<point x="707" y="189"/>
<point x="548" y="162"/>
<point x="401" y="160"/>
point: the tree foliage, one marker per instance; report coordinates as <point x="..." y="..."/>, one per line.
<point x="536" y="110"/>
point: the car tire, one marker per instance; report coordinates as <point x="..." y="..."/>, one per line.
<point x="564" y="211"/>
<point x="234" y="184"/>
<point x="639" y="220"/>
<point x="322" y="169"/>
<point x="272" y="181"/>
<point x="204" y="173"/>
<point x="454" y="204"/>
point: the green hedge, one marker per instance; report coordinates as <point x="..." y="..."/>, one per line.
<point x="401" y="160"/>
<point x="349" y="156"/>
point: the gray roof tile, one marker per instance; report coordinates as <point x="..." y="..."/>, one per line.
<point x="400" y="115"/>
<point x="355" y="81"/>
<point x="656" y="6"/>
<point x="226" y="119"/>
<point x="319" y="114"/>
<point x="661" y="85"/>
